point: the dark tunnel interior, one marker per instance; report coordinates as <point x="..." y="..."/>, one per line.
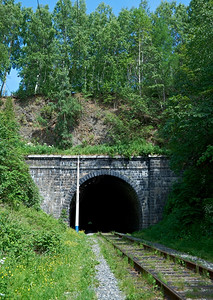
<point x="107" y="203"/>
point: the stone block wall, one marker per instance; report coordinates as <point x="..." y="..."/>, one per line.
<point x="56" y="176"/>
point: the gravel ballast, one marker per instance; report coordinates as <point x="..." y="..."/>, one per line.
<point x="108" y="287"/>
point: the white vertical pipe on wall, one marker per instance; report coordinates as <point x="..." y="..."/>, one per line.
<point x="77" y="199"/>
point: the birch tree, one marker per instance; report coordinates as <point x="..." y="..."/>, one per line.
<point x="10" y="19"/>
<point x="36" y="62"/>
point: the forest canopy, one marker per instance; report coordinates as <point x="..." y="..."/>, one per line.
<point x="100" y="53"/>
<point x="137" y="60"/>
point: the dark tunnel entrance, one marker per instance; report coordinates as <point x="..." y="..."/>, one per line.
<point x="107" y="203"/>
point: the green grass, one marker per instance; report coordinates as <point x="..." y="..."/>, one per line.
<point x="135" y="148"/>
<point x="42" y="259"/>
<point x="192" y="241"/>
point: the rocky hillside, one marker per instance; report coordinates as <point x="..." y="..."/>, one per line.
<point x="37" y="121"/>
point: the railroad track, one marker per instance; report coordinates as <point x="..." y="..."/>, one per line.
<point x="178" y="278"/>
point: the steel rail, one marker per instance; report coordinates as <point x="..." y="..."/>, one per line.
<point x="168" y="291"/>
<point x="188" y="264"/>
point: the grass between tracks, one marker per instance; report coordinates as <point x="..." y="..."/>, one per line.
<point x="40" y="258"/>
<point x="134" y="287"/>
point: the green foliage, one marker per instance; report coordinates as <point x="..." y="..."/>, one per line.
<point x="133" y="148"/>
<point x="71" y="25"/>
<point x="169" y="22"/>
<point x="200" y="44"/>
<point x="188" y="201"/>
<point x="67" y="107"/>
<point x="44" y="242"/>
<point x="188" y="127"/>
<point x="10" y="21"/>
<point x="16" y="184"/>
<point x="42" y="258"/>
<point x="63" y="216"/>
<point x="42" y="121"/>
<point x="37" y="54"/>
<point x="47" y="111"/>
<point x="19" y="240"/>
<point x="39" y="149"/>
<point x="188" y="132"/>
<point x="136" y="119"/>
<point x="101" y="53"/>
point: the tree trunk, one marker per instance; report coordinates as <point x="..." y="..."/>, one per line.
<point x="3" y="86"/>
<point x="139" y="66"/>
<point x="36" y="86"/>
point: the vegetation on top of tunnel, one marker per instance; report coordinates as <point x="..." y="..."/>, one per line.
<point x="130" y="149"/>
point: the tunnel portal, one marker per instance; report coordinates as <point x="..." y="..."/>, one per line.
<point x="107" y="203"/>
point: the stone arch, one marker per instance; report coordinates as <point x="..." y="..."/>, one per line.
<point x="100" y="173"/>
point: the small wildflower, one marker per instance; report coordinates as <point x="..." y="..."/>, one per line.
<point x="2" y="260"/>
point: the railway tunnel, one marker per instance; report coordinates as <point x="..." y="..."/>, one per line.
<point x="107" y="203"/>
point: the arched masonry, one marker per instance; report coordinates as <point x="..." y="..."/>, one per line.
<point x="142" y="182"/>
<point x="114" y="178"/>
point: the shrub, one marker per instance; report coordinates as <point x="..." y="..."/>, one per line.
<point x="16" y="184"/>
<point x="44" y="242"/>
<point x="42" y="259"/>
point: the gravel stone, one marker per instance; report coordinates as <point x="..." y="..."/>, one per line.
<point x="108" y="288"/>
